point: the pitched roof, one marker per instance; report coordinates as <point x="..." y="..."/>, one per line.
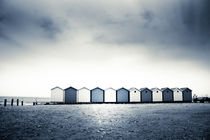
<point x="155" y="88"/>
<point x="71" y="88"/>
<point x="83" y="88"/>
<point x="133" y="88"/>
<point x="186" y="88"/>
<point x="142" y="89"/>
<point x="109" y="88"/>
<point x="97" y="88"/>
<point x="56" y="87"/>
<point x="122" y="88"/>
<point x="166" y="88"/>
<point x="176" y="89"/>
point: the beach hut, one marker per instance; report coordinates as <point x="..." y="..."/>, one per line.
<point x="167" y="94"/>
<point x="57" y="95"/>
<point x="97" y="95"/>
<point x="122" y="95"/>
<point x="157" y="95"/>
<point x="146" y="95"/>
<point x="135" y="95"/>
<point x="83" y="95"/>
<point x="187" y="94"/>
<point x="110" y="95"/>
<point x="177" y="95"/>
<point x="70" y="95"/>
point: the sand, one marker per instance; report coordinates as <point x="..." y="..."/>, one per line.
<point x="106" y="121"/>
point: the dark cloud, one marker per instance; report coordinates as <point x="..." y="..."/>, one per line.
<point x="183" y="24"/>
<point x="41" y="41"/>
<point x="179" y="27"/>
<point x="49" y="27"/>
<point x="148" y="16"/>
<point x="22" y="25"/>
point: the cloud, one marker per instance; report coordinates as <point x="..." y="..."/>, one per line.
<point x="178" y="28"/>
<point x="75" y="35"/>
<point x="21" y="24"/>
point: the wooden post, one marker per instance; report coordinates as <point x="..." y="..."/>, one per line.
<point x="21" y="103"/>
<point x="12" y="101"/>
<point x="5" y="102"/>
<point x="17" y="102"/>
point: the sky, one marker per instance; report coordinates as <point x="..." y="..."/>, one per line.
<point x="101" y="43"/>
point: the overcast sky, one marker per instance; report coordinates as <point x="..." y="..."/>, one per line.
<point x="129" y="43"/>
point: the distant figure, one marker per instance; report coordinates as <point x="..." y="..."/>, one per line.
<point x="195" y="98"/>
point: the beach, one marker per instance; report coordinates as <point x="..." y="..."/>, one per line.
<point x="106" y="121"/>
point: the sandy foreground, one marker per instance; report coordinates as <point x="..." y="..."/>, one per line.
<point x="106" y="121"/>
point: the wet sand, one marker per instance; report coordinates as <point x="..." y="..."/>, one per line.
<point x="106" y="121"/>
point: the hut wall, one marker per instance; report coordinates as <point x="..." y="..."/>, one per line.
<point x="57" y="95"/>
<point x="122" y="95"/>
<point x="135" y="96"/>
<point x="97" y="95"/>
<point x="146" y="96"/>
<point x="83" y="95"/>
<point x="110" y="95"/>
<point x="167" y="96"/>
<point x="157" y="96"/>
<point x="178" y="95"/>
<point x="70" y="95"/>
<point x="187" y="95"/>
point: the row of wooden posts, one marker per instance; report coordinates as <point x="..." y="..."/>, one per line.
<point x="35" y="103"/>
<point x="12" y="102"/>
<point x="17" y="102"/>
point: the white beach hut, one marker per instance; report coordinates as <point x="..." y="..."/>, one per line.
<point x="110" y="95"/>
<point x="135" y="95"/>
<point x="57" y="95"/>
<point x="187" y="94"/>
<point x="157" y="95"/>
<point x="146" y="95"/>
<point x="177" y="95"/>
<point x="167" y="94"/>
<point x="70" y="95"/>
<point x="83" y="95"/>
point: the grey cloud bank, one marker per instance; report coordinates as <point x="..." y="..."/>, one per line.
<point x="176" y="26"/>
<point x="78" y="31"/>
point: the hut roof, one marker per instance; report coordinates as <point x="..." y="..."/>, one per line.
<point x="71" y="88"/>
<point x="142" y="89"/>
<point x="166" y="88"/>
<point x="56" y="87"/>
<point x="122" y="88"/>
<point x="83" y="88"/>
<point x="155" y="89"/>
<point x="175" y="89"/>
<point x="110" y="88"/>
<point x="186" y="88"/>
<point x="97" y="88"/>
<point x="133" y="88"/>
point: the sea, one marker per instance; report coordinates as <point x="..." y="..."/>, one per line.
<point x="26" y="100"/>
